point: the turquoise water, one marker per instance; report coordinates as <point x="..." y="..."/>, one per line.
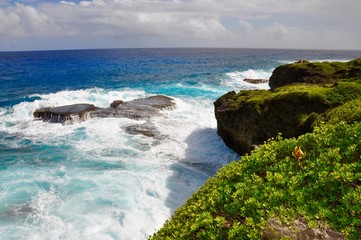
<point x="92" y="180"/>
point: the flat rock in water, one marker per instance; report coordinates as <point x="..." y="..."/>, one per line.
<point x="137" y="109"/>
<point x="64" y="113"/>
<point x="142" y="108"/>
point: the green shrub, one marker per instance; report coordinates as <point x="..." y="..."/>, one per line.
<point x="269" y="183"/>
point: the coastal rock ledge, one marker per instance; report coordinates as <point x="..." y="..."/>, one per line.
<point x="140" y="109"/>
<point x="301" y="93"/>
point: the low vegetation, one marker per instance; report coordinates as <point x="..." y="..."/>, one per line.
<point x="269" y="183"/>
<point x="315" y="177"/>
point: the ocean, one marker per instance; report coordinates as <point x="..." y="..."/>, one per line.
<point x="92" y="179"/>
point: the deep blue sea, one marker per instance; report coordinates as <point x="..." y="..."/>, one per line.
<point x="92" y="180"/>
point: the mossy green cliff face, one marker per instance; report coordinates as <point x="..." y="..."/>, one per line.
<point x="250" y="117"/>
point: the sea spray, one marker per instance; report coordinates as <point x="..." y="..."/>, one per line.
<point x="235" y="80"/>
<point x="93" y="179"/>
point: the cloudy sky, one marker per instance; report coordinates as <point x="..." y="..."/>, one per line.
<point x="71" y="24"/>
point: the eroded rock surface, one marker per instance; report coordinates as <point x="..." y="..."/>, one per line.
<point x="65" y="113"/>
<point x="147" y="129"/>
<point x="136" y="109"/>
<point x="297" y="98"/>
<point x="143" y="108"/>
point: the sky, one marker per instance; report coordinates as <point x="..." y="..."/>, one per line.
<point x="74" y="24"/>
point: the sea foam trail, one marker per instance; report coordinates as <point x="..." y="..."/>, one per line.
<point x="91" y="180"/>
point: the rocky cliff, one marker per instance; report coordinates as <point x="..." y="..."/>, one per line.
<point x="300" y="94"/>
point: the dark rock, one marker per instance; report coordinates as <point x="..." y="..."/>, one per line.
<point x="116" y="103"/>
<point x="62" y="114"/>
<point x="158" y="102"/>
<point x="255" y="81"/>
<point x="299" y="73"/>
<point x="136" y="109"/>
<point x="244" y="121"/>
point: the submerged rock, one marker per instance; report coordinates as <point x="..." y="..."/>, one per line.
<point x="136" y="109"/>
<point x="147" y="129"/>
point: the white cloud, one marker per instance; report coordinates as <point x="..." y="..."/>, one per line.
<point x="264" y="23"/>
<point x="85" y="3"/>
<point x="246" y="26"/>
<point x="68" y="3"/>
<point x="21" y="20"/>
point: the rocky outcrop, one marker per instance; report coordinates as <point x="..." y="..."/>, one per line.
<point x="299" y="95"/>
<point x="314" y="72"/>
<point x="143" y="108"/>
<point x="62" y="114"/>
<point x="136" y="109"/>
<point x="244" y="121"/>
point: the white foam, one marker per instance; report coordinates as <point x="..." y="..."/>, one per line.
<point x="110" y="184"/>
<point x="235" y="80"/>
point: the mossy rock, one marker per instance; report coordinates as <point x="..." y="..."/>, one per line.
<point x="251" y="117"/>
<point x="248" y="118"/>
<point x="314" y="72"/>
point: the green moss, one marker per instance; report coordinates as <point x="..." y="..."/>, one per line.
<point x="269" y="183"/>
<point x="295" y="103"/>
<point x="349" y="112"/>
<point x="343" y="92"/>
<point x="319" y="73"/>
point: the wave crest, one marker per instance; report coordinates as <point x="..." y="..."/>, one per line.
<point x="235" y="80"/>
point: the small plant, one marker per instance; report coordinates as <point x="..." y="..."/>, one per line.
<point x="298" y="154"/>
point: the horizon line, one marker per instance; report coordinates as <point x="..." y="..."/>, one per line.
<point x="123" y="48"/>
